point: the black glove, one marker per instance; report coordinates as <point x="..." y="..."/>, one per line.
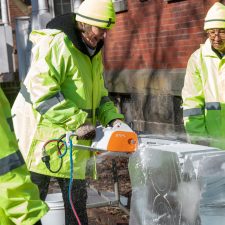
<point x="86" y="132"/>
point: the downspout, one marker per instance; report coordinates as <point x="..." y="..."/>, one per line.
<point x="4" y="10"/>
<point x="43" y="6"/>
<point x="39" y="7"/>
<point x="24" y="26"/>
<point x="7" y="62"/>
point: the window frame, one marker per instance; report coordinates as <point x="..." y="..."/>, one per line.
<point x="52" y="7"/>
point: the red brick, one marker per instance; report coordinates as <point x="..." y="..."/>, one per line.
<point x="156" y="34"/>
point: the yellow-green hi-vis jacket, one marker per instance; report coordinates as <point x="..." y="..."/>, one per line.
<point x="66" y="88"/>
<point x="204" y="97"/>
<point x="19" y="197"/>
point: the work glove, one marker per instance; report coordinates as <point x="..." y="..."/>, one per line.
<point x="86" y="132"/>
<point x="112" y="123"/>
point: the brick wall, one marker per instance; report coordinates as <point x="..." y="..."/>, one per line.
<point x="156" y="34"/>
<point x="145" y="59"/>
<point x="17" y="8"/>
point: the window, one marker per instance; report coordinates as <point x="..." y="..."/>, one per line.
<point x="120" y="5"/>
<point x="62" y="7"/>
<point x="27" y="2"/>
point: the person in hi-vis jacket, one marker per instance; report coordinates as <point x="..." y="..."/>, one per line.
<point x="204" y="86"/>
<point x="63" y="91"/>
<point x="19" y="197"/>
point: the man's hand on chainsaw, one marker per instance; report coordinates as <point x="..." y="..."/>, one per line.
<point x="86" y="132"/>
<point x="112" y="123"/>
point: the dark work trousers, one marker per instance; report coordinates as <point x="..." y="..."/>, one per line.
<point x="78" y="193"/>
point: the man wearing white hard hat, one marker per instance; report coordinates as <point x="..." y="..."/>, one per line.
<point x="204" y="86"/>
<point x="64" y="91"/>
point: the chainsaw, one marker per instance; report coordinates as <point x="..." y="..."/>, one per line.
<point x="119" y="138"/>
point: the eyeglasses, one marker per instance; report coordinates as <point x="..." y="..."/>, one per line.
<point x="216" y="32"/>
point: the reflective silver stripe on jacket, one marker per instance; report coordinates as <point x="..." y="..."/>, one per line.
<point x="54" y="100"/>
<point x="192" y="112"/>
<point x="10" y="123"/>
<point x="198" y="111"/>
<point x="212" y="106"/>
<point x="25" y="93"/>
<point x="11" y="162"/>
<point x="49" y="103"/>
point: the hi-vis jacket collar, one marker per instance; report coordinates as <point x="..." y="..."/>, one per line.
<point x="208" y="51"/>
